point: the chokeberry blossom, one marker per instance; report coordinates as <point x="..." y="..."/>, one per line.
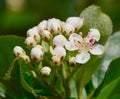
<point x="60" y="38"/>
<point x="85" y="45"/>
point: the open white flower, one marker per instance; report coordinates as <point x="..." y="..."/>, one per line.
<point x="45" y="71"/>
<point x="54" y="25"/>
<point x="58" y="51"/>
<point x="19" y="51"/>
<point x="77" y="22"/>
<point x="36" y="54"/>
<point x="42" y="26"/>
<point x="85" y="45"/>
<point x="72" y="45"/>
<point x="59" y="40"/>
<point x="33" y="32"/>
<point x="30" y="42"/>
<point x="67" y="29"/>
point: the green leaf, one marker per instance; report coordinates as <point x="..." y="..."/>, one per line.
<point x="93" y="18"/>
<point x="2" y="90"/>
<point x="13" y="86"/>
<point x="26" y="79"/>
<point x="110" y="87"/>
<point x="6" y="51"/>
<point x="112" y="53"/>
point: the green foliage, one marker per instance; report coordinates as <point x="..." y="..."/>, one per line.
<point x="112" y="52"/>
<point x="110" y="88"/>
<point x="94" y="18"/>
<point x="13" y="85"/>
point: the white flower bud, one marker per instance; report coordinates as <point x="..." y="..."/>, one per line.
<point x="58" y="51"/>
<point x="72" y="60"/>
<point x="67" y="29"/>
<point x="45" y="71"/>
<point x="59" y="40"/>
<point x="30" y="42"/>
<point x="40" y="47"/>
<point x="54" y="25"/>
<point x="26" y="58"/>
<point x="46" y="35"/>
<point x="36" y="54"/>
<point x="42" y="26"/>
<point x="33" y="32"/>
<point x="56" y="60"/>
<point x="18" y="51"/>
<point x="76" y="22"/>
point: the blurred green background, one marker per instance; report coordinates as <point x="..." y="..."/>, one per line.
<point x="17" y="16"/>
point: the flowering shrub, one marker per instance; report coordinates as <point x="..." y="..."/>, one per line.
<point x="58" y="58"/>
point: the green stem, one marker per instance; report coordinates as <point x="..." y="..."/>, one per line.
<point x="73" y="72"/>
<point x="9" y="71"/>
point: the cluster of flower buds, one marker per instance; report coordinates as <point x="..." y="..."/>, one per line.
<point x="62" y="37"/>
<point x="19" y="52"/>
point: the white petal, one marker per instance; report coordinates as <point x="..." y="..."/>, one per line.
<point x="77" y="22"/>
<point x="95" y="34"/>
<point x="97" y="50"/>
<point x="82" y="58"/>
<point x="58" y="51"/>
<point x="75" y="37"/>
<point x="70" y="46"/>
<point x="59" y="40"/>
